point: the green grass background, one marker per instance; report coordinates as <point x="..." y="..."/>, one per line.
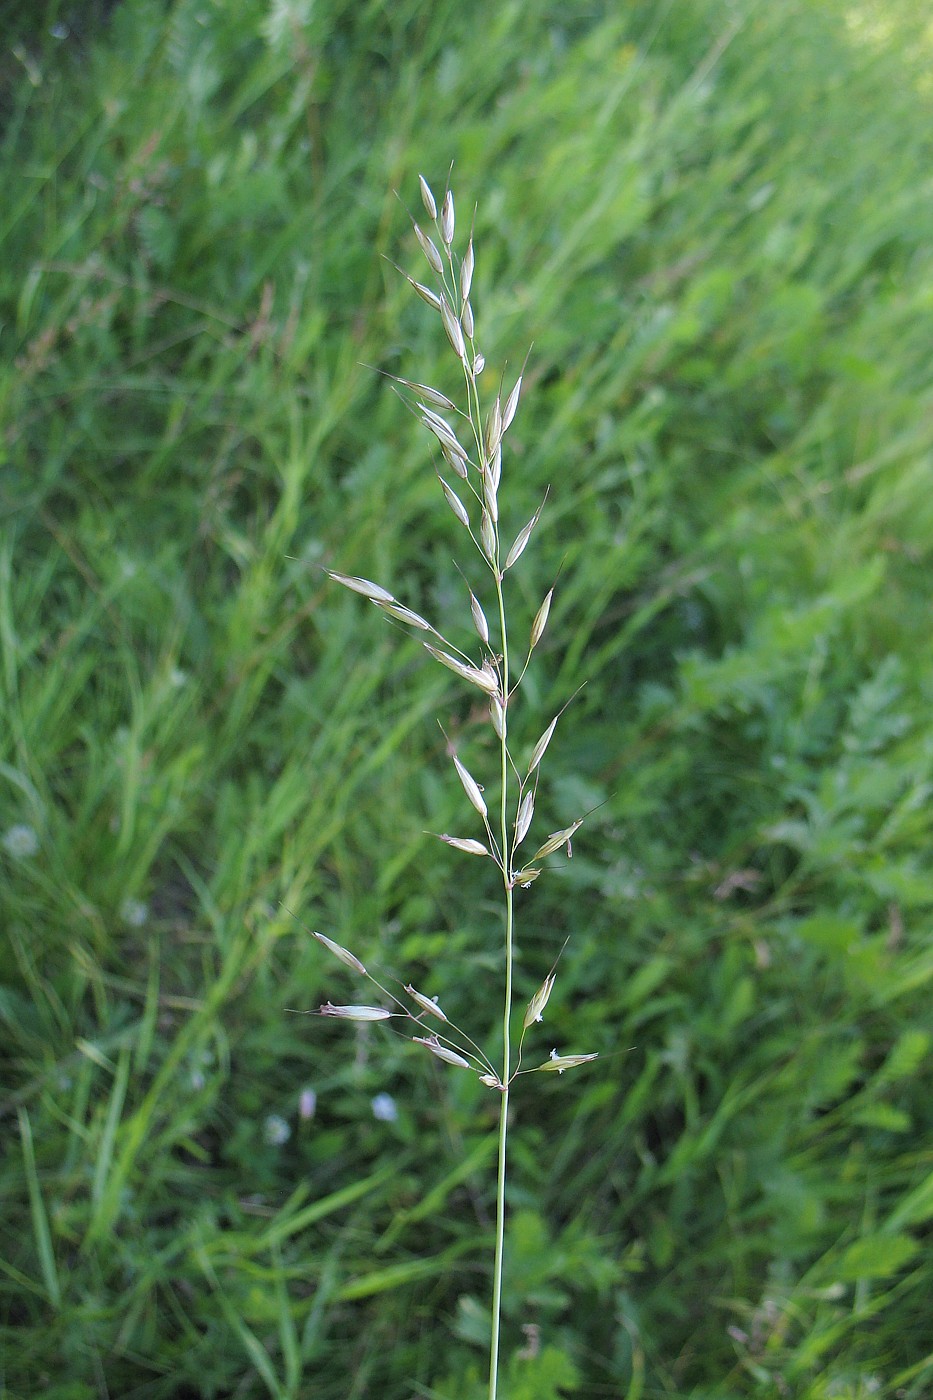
<point x="714" y="222"/>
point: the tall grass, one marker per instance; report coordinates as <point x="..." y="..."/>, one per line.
<point x="716" y="230"/>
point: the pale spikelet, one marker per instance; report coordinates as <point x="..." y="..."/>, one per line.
<point x="493" y="435"/>
<point x="425" y="293"/>
<point x="465" y="843"/>
<point x="456" y="463"/>
<point x="490" y="496"/>
<point x="403" y="614"/>
<point x="479" y="618"/>
<point x="521" y="539"/>
<point x="355" y="1013"/>
<point x="346" y="957"/>
<point x="455" y="503"/>
<point x="557" y="839"/>
<point x="492" y="1081"/>
<point x="452" y="328"/>
<point x="479" y="364"/>
<point x="429" y="250"/>
<point x="526" y="811"/>
<point x="444" y="433"/>
<point x="362" y="585"/>
<point x="466" y="271"/>
<point x="493" y="468"/>
<point x="511" y="404"/>
<point x="526" y="877"/>
<point x="487" y="536"/>
<point x="428" y="1004"/>
<point x="559" y="1063"/>
<point x="497" y="715"/>
<point x="442" y="1052"/>
<point x="466" y="320"/>
<point x="471" y="788"/>
<point x="484" y="677"/>
<point x="447" y="218"/>
<point x="538" y="751"/>
<point x="429" y="395"/>
<point x="540" y="622"/>
<point x="427" y="197"/>
<point x="538" y="1002"/>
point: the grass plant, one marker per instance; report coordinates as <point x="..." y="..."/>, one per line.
<point x="478" y="469"/>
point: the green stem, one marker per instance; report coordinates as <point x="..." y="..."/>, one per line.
<point x="507" y="1010"/>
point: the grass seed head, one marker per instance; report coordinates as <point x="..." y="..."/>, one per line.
<point x="465" y="843"/>
<point x="403" y="614"/>
<point x="521" y="540"/>
<point x="471" y="788"/>
<point x="526" y="811"/>
<point x="479" y="619"/>
<point x="346" y="957"/>
<point x="540" y="622"/>
<point x="540" y="747"/>
<point x="487" y="535"/>
<point x="428" y="1004"/>
<point x="429" y="250"/>
<point x="355" y="1013"/>
<point x="493" y="434"/>
<point x="442" y="1052"/>
<point x="362" y="585"/>
<point x="557" y="839"/>
<point x="426" y="294"/>
<point x="427" y="197"/>
<point x="453" y="330"/>
<point x="511" y="404"/>
<point x="484" y="677"/>
<point x="455" y="503"/>
<point x="447" y="218"/>
<point x="466" y="271"/>
<point x="538" y="1002"/>
<point x="558" y="1063"/>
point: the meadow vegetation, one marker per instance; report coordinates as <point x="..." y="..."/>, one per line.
<point x="715" y="224"/>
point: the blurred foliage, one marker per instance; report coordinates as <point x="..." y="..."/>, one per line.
<point x="714" y="224"/>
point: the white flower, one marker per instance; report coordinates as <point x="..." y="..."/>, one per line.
<point x="134" y="912"/>
<point x="385" y="1109"/>
<point x="20" y="842"/>
<point x="275" y="1130"/>
<point x="307" y="1104"/>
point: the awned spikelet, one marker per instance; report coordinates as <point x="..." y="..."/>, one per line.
<point x="538" y="1001"/>
<point x="355" y="1013"/>
<point x="558" y="1063"/>
<point x="443" y="1052"/>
